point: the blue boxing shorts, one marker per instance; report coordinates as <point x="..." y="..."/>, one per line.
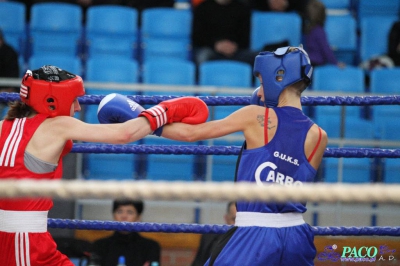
<point x="283" y="239"/>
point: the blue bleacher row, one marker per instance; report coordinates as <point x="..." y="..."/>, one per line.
<point x="56" y="30"/>
<point x="95" y="62"/>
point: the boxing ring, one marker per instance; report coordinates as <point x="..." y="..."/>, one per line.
<point x="213" y="191"/>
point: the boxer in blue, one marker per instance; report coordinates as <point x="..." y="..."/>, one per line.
<point x="282" y="146"/>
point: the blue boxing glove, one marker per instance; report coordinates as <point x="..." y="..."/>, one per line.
<point x="117" y="108"/>
<point x="255" y="100"/>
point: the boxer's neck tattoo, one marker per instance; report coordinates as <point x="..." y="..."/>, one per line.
<point x="261" y="121"/>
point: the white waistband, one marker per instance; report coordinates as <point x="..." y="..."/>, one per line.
<point x="268" y="219"/>
<point x="23" y="221"/>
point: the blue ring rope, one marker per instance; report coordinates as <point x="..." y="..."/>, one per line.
<point x="221" y="150"/>
<point x="239" y="100"/>
<point x="209" y="228"/>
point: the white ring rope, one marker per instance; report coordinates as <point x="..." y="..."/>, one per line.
<point x="204" y="191"/>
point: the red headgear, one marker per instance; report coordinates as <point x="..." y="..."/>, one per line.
<point x="51" y="90"/>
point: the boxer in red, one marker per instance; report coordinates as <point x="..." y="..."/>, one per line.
<point x="38" y="131"/>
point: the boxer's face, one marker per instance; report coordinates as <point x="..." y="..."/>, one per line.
<point x="75" y="107"/>
<point x="260" y="92"/>
<point x="126" y="213"/>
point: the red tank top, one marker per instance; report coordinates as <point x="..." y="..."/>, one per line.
<point x="15" y="136"/>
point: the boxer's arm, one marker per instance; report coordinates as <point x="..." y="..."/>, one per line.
<point x="240" y="120"/>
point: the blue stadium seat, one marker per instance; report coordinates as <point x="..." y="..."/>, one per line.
<point x="112" y="69"/>
<point x="169" y="72"/>
<point x="228" y="74"/>
<point x="332" y="78"/>
<point x="108" y="166"/>
<point x="166" y="22"/>
<point x="355" y="170"/>
<point x="225" y="73"/>
<point x="117" y="70"/>
<point x="56" y="28"/>
<point x="359" y="128"/>
<point x="374" y="37"/>
<point x="341" y="31"/>
<point x="366" y="8"/>
<point x="156" y="48"/>
<point x="112" y="30"/>
<point x="223" y="166"/>
<point x="355" y="127"/>
<point x="274" y="27"/>
<point x="385" y="80"/>
<point x="337" y="4"/>
<point x="169" y="25"/>
<point x="386" y="128"/>
<point x="391" y="172"/>
<point x="329" y="118"/>
<point x="13" y="24"/>
<point x="166" y="166"/>
<point x="69" y="63"/>
<point x="109" y="69"/>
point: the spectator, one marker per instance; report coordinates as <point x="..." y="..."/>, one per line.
<point x="137" y="250"/>
<point x="394" y="43"/>
<point x="9" y="67"/>
<point x="315" y="39"/>
<point x="196" y="2"/>
<point x="298" y="6"/>
<point x="221" y="30"/>
<point x="208" y="241"/>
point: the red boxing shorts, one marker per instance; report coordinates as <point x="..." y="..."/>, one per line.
<point x="24" y="240"/>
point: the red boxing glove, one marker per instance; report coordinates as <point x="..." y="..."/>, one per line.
<point x="189" y="110"/>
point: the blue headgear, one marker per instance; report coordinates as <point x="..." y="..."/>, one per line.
<point x="280" y="69"/>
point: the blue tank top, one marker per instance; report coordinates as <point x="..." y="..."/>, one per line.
<point x="281" y="161"/>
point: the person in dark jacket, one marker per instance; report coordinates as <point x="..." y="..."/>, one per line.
<point x="137" y="250"/>
<point x="221" y="31"/>
<point x="208" y="241"/>
<point x="394" y="43"/>
<point x="9" y="67"/>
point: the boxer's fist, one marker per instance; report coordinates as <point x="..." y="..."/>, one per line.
<point x="255" y="100"/>
<point x="117" y="108"/>
<point x="189" y="110"/>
